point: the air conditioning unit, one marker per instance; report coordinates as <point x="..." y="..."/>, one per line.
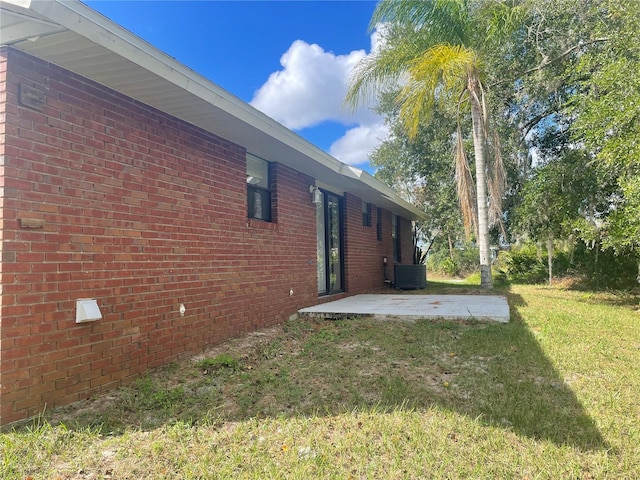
<point x="410" y="277"/>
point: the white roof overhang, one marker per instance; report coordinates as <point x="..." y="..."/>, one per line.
<point x="72" y="35"/>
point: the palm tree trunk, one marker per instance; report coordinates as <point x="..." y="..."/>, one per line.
<point x="481" y="183"/>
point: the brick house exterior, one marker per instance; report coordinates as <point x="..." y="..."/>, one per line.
<point x="106" y="197"/>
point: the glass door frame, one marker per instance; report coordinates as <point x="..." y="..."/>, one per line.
<point x="324" y="256"/>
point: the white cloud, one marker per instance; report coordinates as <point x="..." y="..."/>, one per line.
<point x="378" y="37"/>
<point x="357" y="143"/>
<point x="310" y="89"/>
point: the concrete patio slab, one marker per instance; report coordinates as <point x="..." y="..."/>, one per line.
<point x="414" y="307"/>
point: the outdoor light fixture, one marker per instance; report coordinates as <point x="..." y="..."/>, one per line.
<point x="316" y="194"/>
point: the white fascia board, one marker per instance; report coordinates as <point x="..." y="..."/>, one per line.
<point x="18" y="32"/>
<point x="85" y="21"/>
<point x="23" y="27"/>
<point x="26" y="4"/>
<point x="386" y="191"/>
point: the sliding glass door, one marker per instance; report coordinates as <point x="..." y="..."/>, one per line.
<point x="330" y="248"/>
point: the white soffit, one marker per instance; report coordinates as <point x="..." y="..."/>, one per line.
<point x="77" y="38"/>
<point x="17" y="27"/>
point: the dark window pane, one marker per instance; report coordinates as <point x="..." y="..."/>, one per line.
<point x="258" y="188"/>
<point x="395" y="234"/>
<point x="259" y="203"/>
<point x="366" y="214"/>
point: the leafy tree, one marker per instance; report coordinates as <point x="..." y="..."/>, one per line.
<point x="420" y="168"/>
<point x="554" y="199"/>
<point x="581" y="93"/>
<point x="434" y="50"/>
<point x="606" y="108"/>
<point x="559" y="78"/>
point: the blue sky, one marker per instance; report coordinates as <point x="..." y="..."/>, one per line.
<point x="290" y="59"/>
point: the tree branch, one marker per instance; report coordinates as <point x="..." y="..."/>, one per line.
<point x="547" y="62"/>
<point x="535" y="120"/>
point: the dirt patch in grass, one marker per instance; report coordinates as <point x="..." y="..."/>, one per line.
<point x="244" y="346"/>
<point x="324" y="367"/>
<point x="304" y="366"/>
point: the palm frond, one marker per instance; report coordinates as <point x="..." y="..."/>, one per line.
<point x="447" y="21"/>
<point x="441" y="70"/>
<point x="465" y="187"/>
<point x="496" y="183"/>
<point x="452" y="62"/>
<point x="502" y="19"/>
<point x="380" y="71"/>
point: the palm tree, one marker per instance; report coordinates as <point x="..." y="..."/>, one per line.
<point x="431" y="53"/>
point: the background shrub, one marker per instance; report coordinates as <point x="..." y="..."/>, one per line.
<point x="527" y="264"/>
<point x="462" y="261"/>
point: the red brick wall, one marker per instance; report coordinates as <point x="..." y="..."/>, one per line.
<point x="363" y="252"/>
<point x="107" y="198"/>
<point x="141" y="212"/>
<point x="406" y="241"/>
<point x="3" y="97"/>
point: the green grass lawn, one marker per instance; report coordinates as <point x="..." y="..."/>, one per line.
<point x="553" y="394"/>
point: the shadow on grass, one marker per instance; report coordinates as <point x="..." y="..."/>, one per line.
<point x="506" y="380"/>
<point x="525" y="390"/>
<point x="496" y="374"/>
